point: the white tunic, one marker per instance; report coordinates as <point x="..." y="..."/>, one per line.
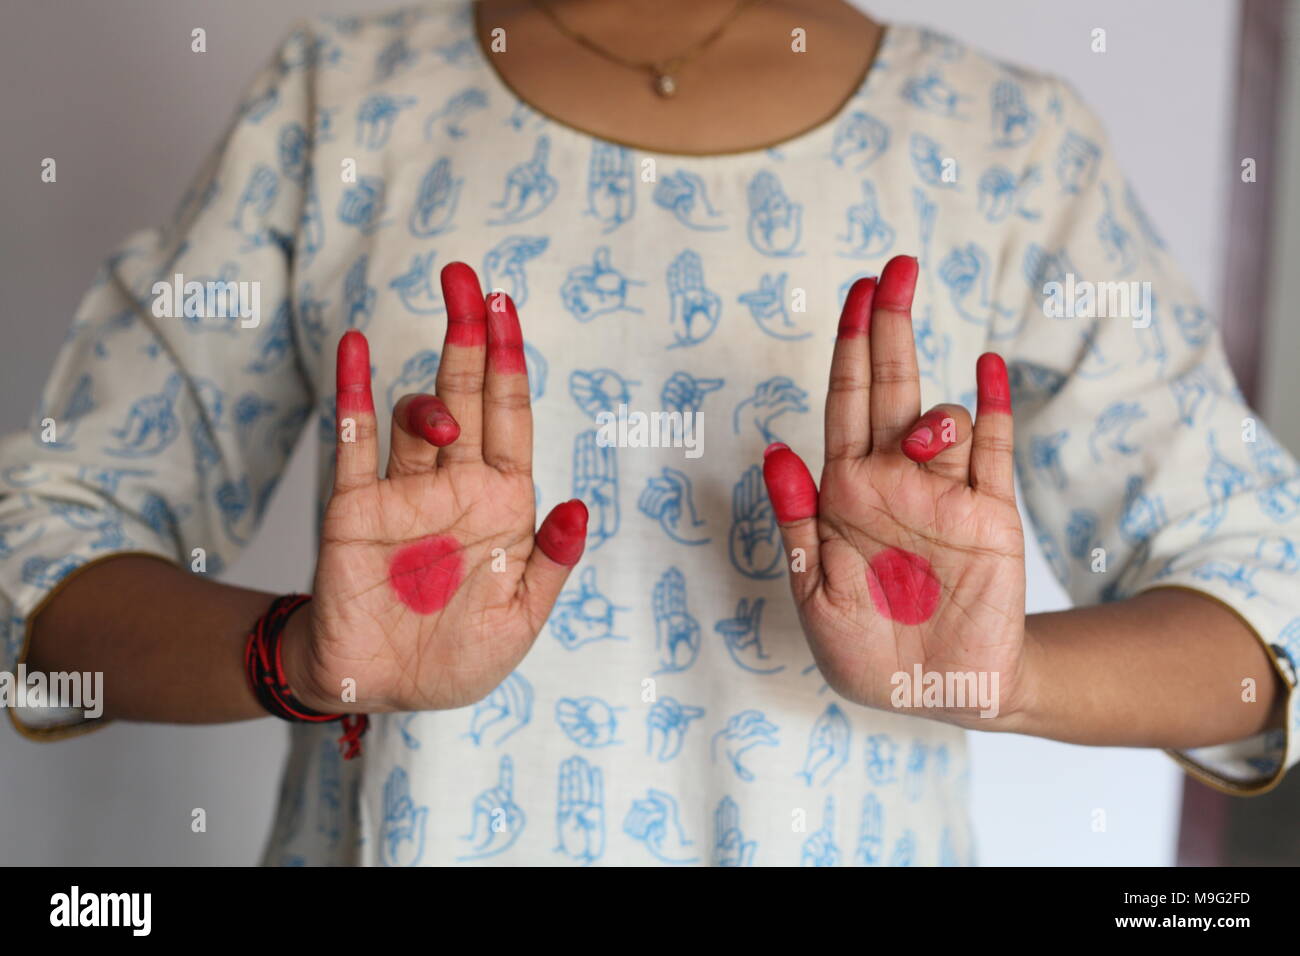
<point x="669" y="711"/>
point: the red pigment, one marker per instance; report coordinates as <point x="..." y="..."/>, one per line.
<point x="790" y="485"/>
<point x="352" y="375"/>
<point x="426" y="574"/>
<point x="903" y="588"/>
<point x="991" y="382"/>
<point x="505" y="338"/>
<point x="464" y="300"/>
<point x="855" y="317"/>
<point x="563" y="534"/>
<point x="897" y="283"/>
<point x="927" y="439"/>
<point x="429" y="417"/>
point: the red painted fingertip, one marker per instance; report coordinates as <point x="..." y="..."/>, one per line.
<point x="563" y="535"/>
<point x="428" y="417"/>
<point x="933" y="432"/>
<point x="505" y="337"/>
<point x="352" y="375"/>
<point x="790" y="485"/>
<point x="992" y="385"/>
<point x="897" y="283"/>
<point x="855" y="317"/>
<point x="466" y="321"/>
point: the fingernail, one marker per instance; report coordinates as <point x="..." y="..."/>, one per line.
<point x="774" y="447"/>
<point x="923" y="436"/>
<point x="441" y="429"/>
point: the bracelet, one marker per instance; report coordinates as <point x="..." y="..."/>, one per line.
<point x="264" y="666"/>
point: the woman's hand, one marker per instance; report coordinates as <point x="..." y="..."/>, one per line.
<point x="912" y="552"/>
<point x="430" y="584"/>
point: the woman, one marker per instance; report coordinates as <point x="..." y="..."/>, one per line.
<point x="678" y="199"/>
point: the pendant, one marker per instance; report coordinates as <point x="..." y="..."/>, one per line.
<point x="665" y="85"/>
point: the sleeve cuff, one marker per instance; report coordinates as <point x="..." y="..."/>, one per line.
<point x="1255" y="764"/>
<point x="48" y="724"/>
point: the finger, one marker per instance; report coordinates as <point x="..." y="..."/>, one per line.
<point x="895" y="383"/>
<point x="940" y="439"/>
<point x="421" y="425"/>
<point x="848" y="408"/>
<point x="557" y="547"/>
<point x="992" y="468"/>
<point x="507" y="409"/>
<point x="460" y="368"/>
<point x="357" y="462"/>
<point x="793" y="494"/>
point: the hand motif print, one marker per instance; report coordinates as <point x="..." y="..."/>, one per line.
<point x="580" y="811"/>
<point x="654" y="820"/>
<point x="401" y="835"/>
<point x="677" y="633"/>
<point x="666" y="726"/>
<point x="695" y="309"/>
<point x="497" y="819"/>
<point x="597" y="289"/>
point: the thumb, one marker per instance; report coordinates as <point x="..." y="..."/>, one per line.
<point x="557" y="547"/>
<point x="793" y="493"/>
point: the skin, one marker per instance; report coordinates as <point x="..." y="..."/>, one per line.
<point x="1162" y="669"/>
<point x="918" y="559"/>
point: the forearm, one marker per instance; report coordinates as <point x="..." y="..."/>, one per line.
<point x="1163" y="669"/>
<point x="169" y="644"/>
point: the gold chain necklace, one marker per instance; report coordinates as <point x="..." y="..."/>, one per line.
<point x="663" y="73"/>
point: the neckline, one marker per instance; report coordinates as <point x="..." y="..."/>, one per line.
<point x="793" y="142"/>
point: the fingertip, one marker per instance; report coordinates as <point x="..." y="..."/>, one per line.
<point x="855" y="317"/>
<point x="443" y="433"/>
<point x="897" y="283"/>
<point x="992" y="384"/>
<point x="352" y="373"/>
<point x="464" y="301"/>
<point x="563" y="535"/>
<point x="790" y="484"/>
<point x="456" y="269"/>
<point x="921" y="446"/>
<point x="429" y="417"/>
<point x="504" y="334"/>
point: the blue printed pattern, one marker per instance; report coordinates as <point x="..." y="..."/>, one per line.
<point x="669" y="713"/>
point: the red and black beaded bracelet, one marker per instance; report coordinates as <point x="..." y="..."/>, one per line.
<point x="265" y="669"/>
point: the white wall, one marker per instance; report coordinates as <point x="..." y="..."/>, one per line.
<point x="1281" y="386"/>
<point x="111" y="90"/>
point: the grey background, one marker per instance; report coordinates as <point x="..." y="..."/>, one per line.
<point x="112" y="91"/>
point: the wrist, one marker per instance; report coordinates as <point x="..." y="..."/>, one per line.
<point x="1016" y="707"/>
<point x="297" y="654"/>
<point x="1022" y="710"/>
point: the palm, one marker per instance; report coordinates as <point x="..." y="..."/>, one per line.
<point x="431" y="584"/>
<point x="452" y="656"/>
<point x="974" y="544"/>
<point x="911" y="554"/>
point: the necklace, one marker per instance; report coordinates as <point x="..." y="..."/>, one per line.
<point x="663" y="73"/>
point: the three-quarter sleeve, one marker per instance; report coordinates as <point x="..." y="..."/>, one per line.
<point x="1140" y="463"/>
<point x="168" y="418"/>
